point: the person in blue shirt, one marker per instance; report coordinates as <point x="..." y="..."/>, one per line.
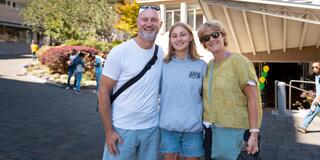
<point x="181" y="97"/>
<point x="79" y="69"/>
<point x="98" y="61"/>
<point x="315" y="106"/>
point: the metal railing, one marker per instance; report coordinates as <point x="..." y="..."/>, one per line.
<point x="290" y="86"/>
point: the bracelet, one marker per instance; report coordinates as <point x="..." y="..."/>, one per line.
<point x="254" y="130"/>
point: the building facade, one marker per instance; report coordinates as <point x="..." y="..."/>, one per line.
<point x="15" y="38"/>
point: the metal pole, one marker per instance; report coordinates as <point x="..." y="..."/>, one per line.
<point x="275" y="95"/>
<point x="282" y="98"/>
<point x="290" y="95"/>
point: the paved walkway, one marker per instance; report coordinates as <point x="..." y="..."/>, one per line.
<point x="40" y="121"/>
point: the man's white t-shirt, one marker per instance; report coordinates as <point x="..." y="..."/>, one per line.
<point x="137" y="106"/>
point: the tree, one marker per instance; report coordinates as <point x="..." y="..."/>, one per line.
<point x="71" y="19"/>
<point x="127" y="21"/>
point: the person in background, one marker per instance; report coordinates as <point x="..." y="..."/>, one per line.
<point x="34" y="49"/>
<point x="71" y="68"/>
<point x="231" y="96"/>
<point x="79" y="69"/>
<point x="98" y="61"/>
<point x="181" y="97"/>
<point x="315" y="106"/>
<point x="131" y="120"/>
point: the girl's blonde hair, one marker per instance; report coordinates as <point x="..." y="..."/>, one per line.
<point x="192" y="45"/>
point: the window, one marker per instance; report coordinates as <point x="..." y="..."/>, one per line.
<point x="19" y="6"/>
<point x="9" y="34"/>
<point x="199" y="18"/>
<point x="172" y="17"/>
<point x="3" y="2"/>
<point x="176" y="16"/>
<point x="191" y="18"/>
<point x="195" y="18"/>
<point x="168" y="21"/>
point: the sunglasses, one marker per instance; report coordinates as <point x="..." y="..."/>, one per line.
<point x="206" y="37"/>
<point x="315" y="67"/>
<point x="157" y="8"/>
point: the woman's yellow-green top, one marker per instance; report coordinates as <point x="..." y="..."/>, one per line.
<point x="225" y="103"/>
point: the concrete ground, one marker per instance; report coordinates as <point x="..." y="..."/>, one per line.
<point x="41" y="121"/>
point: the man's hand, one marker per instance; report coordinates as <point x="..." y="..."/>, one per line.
<point x="316" y="101"/>
<point x="313" y="108"/>
<point x="112" y="139"/>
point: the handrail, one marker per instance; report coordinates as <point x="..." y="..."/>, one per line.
<point x="276" y="95"/>
<point x="290" y="86"/>
<point x="297" y="81"/>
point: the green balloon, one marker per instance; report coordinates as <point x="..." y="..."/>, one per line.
<point x="261" y="86"/>
<point x="264" y="74"/>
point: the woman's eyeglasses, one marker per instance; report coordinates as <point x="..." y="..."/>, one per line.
<point x="157" y="8"/>
<point x="206" y="37"/>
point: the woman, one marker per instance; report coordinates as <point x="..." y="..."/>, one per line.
<point x="231" y="96"/>
<point x="180" y="101"/>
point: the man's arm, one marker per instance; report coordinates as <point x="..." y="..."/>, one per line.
<point x="251" y="94"/>
<point x="316" y="100"/>
<point x="105" y="90"/>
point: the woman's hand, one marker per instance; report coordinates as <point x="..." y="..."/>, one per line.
<point x="253" y="146"/>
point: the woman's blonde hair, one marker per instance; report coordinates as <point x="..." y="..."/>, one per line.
<point x="192" y="45"/>
<point x="213" y="25"/>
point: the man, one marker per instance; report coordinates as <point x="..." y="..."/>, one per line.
<point x="131" y="121"/>
<point x="71" y="68"/>
<point x="315" y="109"/>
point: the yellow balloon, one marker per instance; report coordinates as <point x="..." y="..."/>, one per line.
<point x="266" y="68"/>
<point x="262" y="79"/>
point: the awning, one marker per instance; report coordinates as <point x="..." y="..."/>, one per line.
<point x="261" y="30"/>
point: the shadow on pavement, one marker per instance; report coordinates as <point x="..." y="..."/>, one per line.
<point x="281" y="141"/>
<point x="14" y="56"/>
<point x="314" y="131"/>
<point x="44" y="122"/>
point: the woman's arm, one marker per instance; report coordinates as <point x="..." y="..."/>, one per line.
<point x="253" y="112"/>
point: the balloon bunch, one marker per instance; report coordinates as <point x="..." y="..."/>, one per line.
<point x="263" y="77"/>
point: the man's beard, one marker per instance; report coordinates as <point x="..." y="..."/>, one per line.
<point x="148" y="36"/>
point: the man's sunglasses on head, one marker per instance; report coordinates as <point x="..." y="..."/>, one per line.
<point x="157" y="8"/>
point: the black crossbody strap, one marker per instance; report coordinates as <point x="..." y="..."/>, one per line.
<point x="133" y="80"/>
